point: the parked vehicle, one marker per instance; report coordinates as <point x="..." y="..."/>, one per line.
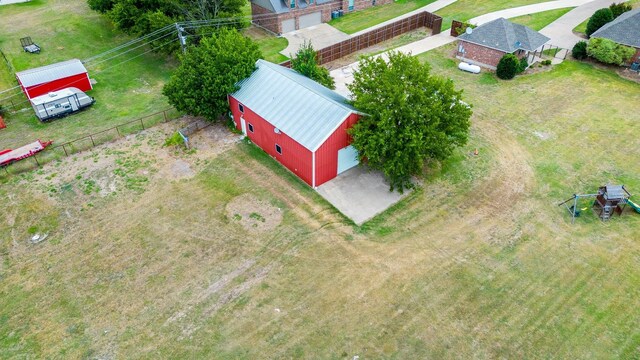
<point x="60" y="103"/>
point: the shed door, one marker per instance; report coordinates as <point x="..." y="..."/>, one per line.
<point x="288" y="25"/>
<point x="347" y="158"/>
<point x="310" y="20"/>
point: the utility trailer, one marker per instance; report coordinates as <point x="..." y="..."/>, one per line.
<point x="29" y="46"/>
<point x="60" y="103"/>
<point x="9" y="156"/>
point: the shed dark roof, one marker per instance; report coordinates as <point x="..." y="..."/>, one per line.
<point x="625" y="29"/>
<point x="503" y="35"/>
<point x="298" y="106"/>
<point x="51" y="72"/>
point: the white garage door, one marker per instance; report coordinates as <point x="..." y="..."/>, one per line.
<point x="288" y="25"/>
<point x="347" y="158"/>
<point x="310" y="20"/>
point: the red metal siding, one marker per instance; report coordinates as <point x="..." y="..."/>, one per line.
<point x="327" y="154"/>
<point x="80" y="81"/>
<point x="295" y="157"/>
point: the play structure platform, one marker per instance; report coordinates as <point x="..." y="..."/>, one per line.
<point x="608" y="201"/>
<point x="9" y="156"/>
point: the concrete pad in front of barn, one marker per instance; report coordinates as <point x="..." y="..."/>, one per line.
<point x="360" y="194"/>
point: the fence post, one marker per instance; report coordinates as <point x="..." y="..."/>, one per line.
<point x="35" y="157"/>
<point x="164" y="112"/>
<point x="142" y="123"/>
<point x="65" y="149"/>
<point x="119" y="135"/>
<point x="92" y="142"/>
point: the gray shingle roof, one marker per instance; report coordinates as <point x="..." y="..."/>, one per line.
<point x="503" y="35"/>
<point x="298" y="106"/>
<point x="625" y="29"/>
<point x="276" y="6"/>
<point x="51" y="72"/>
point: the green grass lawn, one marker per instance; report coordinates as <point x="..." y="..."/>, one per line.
<point x="360" y="20"/>
<point x="269" y="45"/>
<point x="539" y="20"/>
<point x="463" y="10"/>
<point x="582" y="28"/>
<point x="127" y="87"/>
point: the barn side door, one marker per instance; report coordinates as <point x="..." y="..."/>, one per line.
<point x="243" y="125"/>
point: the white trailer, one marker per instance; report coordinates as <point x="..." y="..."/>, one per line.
<point x="60" y="103"/>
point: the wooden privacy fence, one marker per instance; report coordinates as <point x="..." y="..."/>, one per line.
<point x="373" y="37"/>
<point x="88" y="141"/>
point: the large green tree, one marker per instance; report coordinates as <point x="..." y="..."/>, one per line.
<point x="141" y="17"/>
<point x="209" y="72"/>
<point x="305" y="62"/>
<point x="412" y="116"/>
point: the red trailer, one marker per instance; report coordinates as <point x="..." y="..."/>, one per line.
<point x="9" y="156"/>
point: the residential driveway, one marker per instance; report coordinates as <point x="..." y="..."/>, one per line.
<point x="320" y="36"/>
<point x="561" y="30"/>
<point x="360" y="194"/>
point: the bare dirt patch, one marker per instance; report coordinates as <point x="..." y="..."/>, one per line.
<point x="254" y="215"/>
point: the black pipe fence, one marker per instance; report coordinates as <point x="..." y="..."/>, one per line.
<point x="87" y="142"/>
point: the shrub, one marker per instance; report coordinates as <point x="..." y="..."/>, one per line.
<point x="174" y="140"/>
<point x="598" y="19"/>
<point x="546" y="62"/>
<point x="609" y="52"/>
<point x="619" y="9"/>
<point x="579" y="50"/>
<point x="508" y="67"/>
<point x="3" y="111"/>
<point x="523" y="65"/>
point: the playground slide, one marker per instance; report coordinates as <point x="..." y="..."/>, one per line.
<point x="633" y="205"/>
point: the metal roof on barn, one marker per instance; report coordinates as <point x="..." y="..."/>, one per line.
<point x="298" y="106"/>
<point x="51" y="72"/>
<point x="625" y="29"/>
<point x="501" y="34"/>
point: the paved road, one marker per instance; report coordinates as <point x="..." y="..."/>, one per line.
<point x="344" y="75"/>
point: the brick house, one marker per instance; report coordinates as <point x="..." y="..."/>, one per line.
<point x="488" y="43"/>
<point x="625" y="30"/>
<point x="282" y="16"/>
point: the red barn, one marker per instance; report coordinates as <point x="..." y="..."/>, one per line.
<point x="299" y="122"/>
<point x="54" y="77"/>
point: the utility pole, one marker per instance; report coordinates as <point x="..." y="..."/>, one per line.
<point x="182" y="38"/>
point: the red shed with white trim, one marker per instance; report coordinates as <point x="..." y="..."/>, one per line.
<point x="299" y="122"/>
<point x="54" y="77"/>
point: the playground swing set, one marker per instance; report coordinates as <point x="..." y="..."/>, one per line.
<point x="608" y="201"/>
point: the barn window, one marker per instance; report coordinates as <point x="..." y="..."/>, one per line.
<point x="278" y="149"/>
<point x="241" y="108"/>
<point x="250" y="128"/>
